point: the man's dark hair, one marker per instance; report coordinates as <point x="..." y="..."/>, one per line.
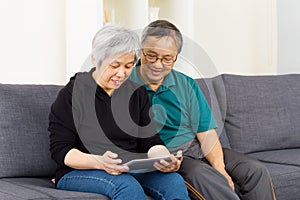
<point x="162" y="28"/>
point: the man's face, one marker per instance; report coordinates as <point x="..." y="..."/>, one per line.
<point x="157" y="59"/>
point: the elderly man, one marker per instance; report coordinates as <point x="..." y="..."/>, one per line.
<point x="185" y="122"/>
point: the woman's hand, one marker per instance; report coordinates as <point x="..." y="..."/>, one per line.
<point x="110" y="163"/>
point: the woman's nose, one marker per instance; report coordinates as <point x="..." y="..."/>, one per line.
<point x="121" y="72"/>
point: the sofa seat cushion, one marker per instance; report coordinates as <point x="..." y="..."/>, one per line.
<point x="286" y="180"/>
<point x="283" y="156"/>
<point x="284" y="167"/>
<point x="38" y="188"/>
<point x="262" y="112"/>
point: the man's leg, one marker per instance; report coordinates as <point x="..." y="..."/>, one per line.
<point x="204" y="182"/>
<point x="251" y="176"/>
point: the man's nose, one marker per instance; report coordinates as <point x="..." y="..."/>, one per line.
<point x="158" y="63"/>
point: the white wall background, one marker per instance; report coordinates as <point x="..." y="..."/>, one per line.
<point x="288" y="36"/>
<point x="32" y="39"/>
<point x="239" y="36"/>
<point x="46" y="41"/>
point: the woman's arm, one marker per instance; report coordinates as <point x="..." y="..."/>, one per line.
<point x="108" y="161"/>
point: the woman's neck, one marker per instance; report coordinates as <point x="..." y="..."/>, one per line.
<point x="97" y="80"/>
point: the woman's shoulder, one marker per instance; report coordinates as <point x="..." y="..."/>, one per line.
<point x="133" y="86"/>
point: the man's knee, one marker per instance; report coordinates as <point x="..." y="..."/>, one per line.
<point x="257" y="168"/>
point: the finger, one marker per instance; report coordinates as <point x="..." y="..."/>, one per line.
<point x="174" y="162"/>
<point x="165" y="168"/>
<point x="179" y="153"/>
<point x="231" y="184"/>
<point x="160" y="167"/>
<point x="119" y="168"/>
<point x="166" y="163"/>
<point x="110" y="154"/>
<point x="112" y="172"/>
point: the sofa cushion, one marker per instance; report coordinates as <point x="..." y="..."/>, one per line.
<point x="284" y="167"/>
<point x="208" y="87"/>
<point x="263" y="112"/>
<point x="24" y="141"/>
<point x="38" y="188"/>
<point x="282" y="156"/>
<point x="286" y="180"/>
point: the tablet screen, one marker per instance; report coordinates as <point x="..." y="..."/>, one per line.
<point x="145" y="165"/>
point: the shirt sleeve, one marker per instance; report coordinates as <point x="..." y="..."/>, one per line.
<point x="63" y="134"/>
<point x="146" y="120"/>
<point x="201" y="116"/>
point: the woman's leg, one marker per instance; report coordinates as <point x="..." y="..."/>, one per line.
<point x="163" y="186"/>
<point x="120" y="187"/>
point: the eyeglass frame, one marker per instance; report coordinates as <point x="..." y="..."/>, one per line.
<point x="160" y="58"/>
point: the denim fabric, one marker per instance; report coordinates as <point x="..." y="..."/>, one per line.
<point x="161" y="186"/>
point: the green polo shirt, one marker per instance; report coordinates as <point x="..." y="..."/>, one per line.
<point x="180" y="108"/>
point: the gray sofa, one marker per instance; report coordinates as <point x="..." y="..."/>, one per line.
<point x="256" y="115"/>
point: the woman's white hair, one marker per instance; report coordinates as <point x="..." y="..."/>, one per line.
<point x="112" y="40"/>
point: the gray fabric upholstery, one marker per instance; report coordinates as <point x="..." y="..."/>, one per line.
<point x="282" y="156"/>
<point x="284" y="167"/>
<point x="286" y="180"/>
<point x="208" y="87"/>
<point x="262" y="112"/>
<point x="261" y="116"/>
<point x="24" y="144"/>
<point x="38" y="188"/>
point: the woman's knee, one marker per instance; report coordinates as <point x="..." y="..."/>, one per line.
<point x="128" y="186"/>
<point x="165" y="186"/>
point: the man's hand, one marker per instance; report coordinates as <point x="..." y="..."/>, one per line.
<point x="172" y="166"/>
<point x="164" y="166"/>
<point x="224" y="173"/>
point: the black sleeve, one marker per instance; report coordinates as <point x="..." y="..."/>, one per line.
<point x="146" y="116"/>
<point x="63" y="134"/>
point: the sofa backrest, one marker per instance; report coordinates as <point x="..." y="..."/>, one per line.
<point x="263" y="112"/>
<point x="209" y="87"/>
<point x="24" y="138"/>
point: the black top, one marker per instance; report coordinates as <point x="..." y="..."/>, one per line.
<point x="85" y="117"/>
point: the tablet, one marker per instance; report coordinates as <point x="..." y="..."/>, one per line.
<point x="145" y="165"/>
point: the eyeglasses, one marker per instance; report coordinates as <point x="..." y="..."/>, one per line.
<point x="165" y="60"/>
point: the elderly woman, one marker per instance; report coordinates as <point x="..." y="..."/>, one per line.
<point x="100" y="120"/>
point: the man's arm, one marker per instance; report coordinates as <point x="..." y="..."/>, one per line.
<point x="212" y="150"/>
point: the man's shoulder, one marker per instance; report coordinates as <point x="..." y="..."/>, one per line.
<point x="181" y="77"/>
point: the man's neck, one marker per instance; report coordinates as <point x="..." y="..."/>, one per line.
<point x="154" y="86"/>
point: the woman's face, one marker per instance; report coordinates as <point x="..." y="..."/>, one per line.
<point x="113" y="71"/>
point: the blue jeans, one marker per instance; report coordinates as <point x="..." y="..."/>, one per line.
<point x="161" y="186"/>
